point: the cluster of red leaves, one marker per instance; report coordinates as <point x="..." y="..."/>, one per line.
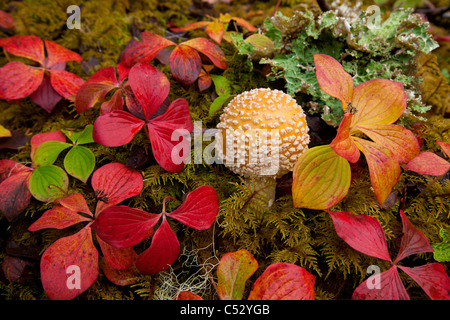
<point x="47" y="83"/>
<point x="184" y="60"/>
<point x="365" y="234"/>
<point x="124" y="227"/>
<point x="112" y="183"/>
<point x="14" y="178"/>
<point x="149" y="88"/>
<point x="280" y="281"/>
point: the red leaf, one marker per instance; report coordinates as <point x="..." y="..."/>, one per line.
<point x="115" y="103"/>
<point x="388" y="286"/>
<point x="215" y="31"/>
<point x="204" y="80"/>
<point x="199" y="210"/>
<point x="15" y="268"/>
<point x="18" y="80"/>
<point x="6" y="20"/>
<point x="14" y="194"/>
<point x="144" y="50"/>
<point x="40" y="138"/>
<point x="163" y="251"/>
<point x="333" y="79"/>
<point x="413" y="240"/>
<point x="383" y="167"/>
<point x="428" y="163"/>
<point x="187" y="295"/>
<point x="362" y="233"/>
<point x="69" y="266"/>
<point x="8" y="168"/>
<point x="176" y="119"/>
<point x="65" y="83"/>
<point x="210" y="49"/>
<point x="116" y="128"/>
<point x="185" y="64"/>
<point x="432" y="278"/>
<point x="124" y="227"/>
<point x="283" y="281"/>
<point x="30" y="47"/>
<point x="58" y="54"/>
<point x="191" y="26"/>
<point x="120" y="277"/>
<point x="445" y="147"/>
<point x="150" y="87"/>
<point x="76" y="202"/>
<point x="95" y="88"/>
<point x="45" y="96"/>
<point x="342" y="144"/>
<point x="115" y="182"/>
<point x="57" y="218"/>
<point x="117" y="258"/>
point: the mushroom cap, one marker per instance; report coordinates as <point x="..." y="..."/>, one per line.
<point x="261" y="133"/>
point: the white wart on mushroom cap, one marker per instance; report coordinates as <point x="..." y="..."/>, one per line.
<point x="261" y="133"/>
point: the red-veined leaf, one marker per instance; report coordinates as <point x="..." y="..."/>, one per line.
<point x="45" y="96"/>
<point x="188" y="295"/>
<point x="386" y="285"/>
<point x="342" y="144"/>
<point x="75" y="202"/>
<point x="362" y="233"/>
<point x="383" y="167"/>
<point x="399" y="140"/>
<point x="432" y="278"/>
<point x="232" y="273"/>
<point x="144" y="50"/>
<point x="167" y="135"/>
<point x="115" y="103"/>
<point x="14" y="194"/>
<point x="30" y="47"/>
<point x="117" y="258"/>
<point x="199" y="210"/>
<point x="445" y="147"/>
<point x="191" y="26"/>
<point x="40" y="138"/>
<point x="333" y="79"/>
<point x="115" y="182"/>
<point x="150" y="87"/>
<point x="428" y="163"/>
<point x="321" y="178"/>
<point x="209" y="49"/>
<point x="215" y="31"/>
<point x="116" y="128"/>
<point x="163" y="251"/>
<point x="17" y="80"/>
<point x="283" y="281"/>
<point x="58" y="54"/>
<point x="69" y="266"/>
<point x="378" y="101"/>
<point x="65" y="83"/>
<point x="185" y="64"/>
<point x="413" y="240"/>
<point x="95" y="88"/>
<point x="124" y="227"/>
<point x="57" y="218"/>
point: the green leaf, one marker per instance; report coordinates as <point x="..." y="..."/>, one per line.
<point x="321" y="178"/>
<point x="48" y="183"/>
<point x="80" y="137"/>
<point x="48" y="152"/>
<point x="442" y="250"/>
<point x="221" y="84"/>
<point x="233" y="271"/>
<point x="218" y="103"/>
<point x="79" y="162"/>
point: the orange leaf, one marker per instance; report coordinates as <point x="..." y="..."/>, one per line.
<point x="233" y="271"/>
<point x="192" y="26"/>
<point x="342" y="144"/>
<point x="210" y="49"/>
<point x="378" y="101"/>
<point x="384" y="169"/>
<point x="428" y="163"/>
<point x="245" y="24"/>
<point x="283" y="281"/>
<point x="321" y="178"/>
<point x="333" y="79"/>
<point x="215" y="30"/>
<point x="399" y="140"/>
<point x="188" y="295"/>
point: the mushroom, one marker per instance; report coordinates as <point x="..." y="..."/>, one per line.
<point x="261" y="134"/>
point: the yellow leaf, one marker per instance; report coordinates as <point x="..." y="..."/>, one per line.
<point x="4" y="132"/>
